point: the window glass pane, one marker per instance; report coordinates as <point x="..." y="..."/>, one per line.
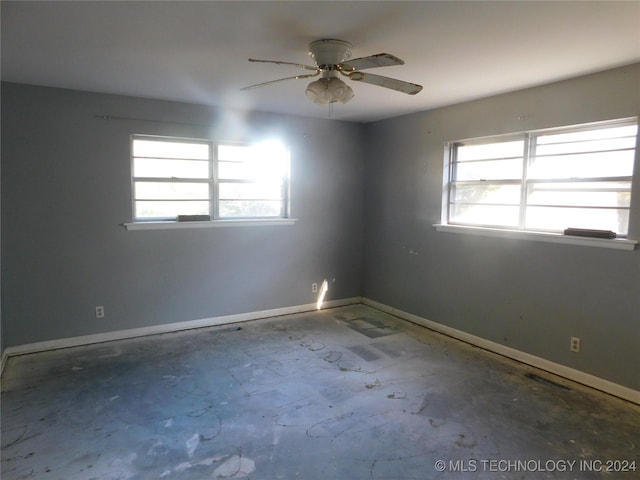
<point x="158" y="168"/>
<point x="557" y="219"/>
<point x="490" y="170"/>
<point x="586" y="165"/>
<point x="170" y="209"/>
<point x="490" y="150"/>
<point x="168" y="149"/>
<point x="260" y="169"/>
<point x="234" y="170"/>
<point x="487" y="193"/>
<point x="229" y="191"/>
<point x="171" y="191"/>
<point x="247" y="208"/>
<point x="589" y="134"/>
<point x="487" y="215"/>
<point x="586" y="194"/>
<point x="587" y="146"/>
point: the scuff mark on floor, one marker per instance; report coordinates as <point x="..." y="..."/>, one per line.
<point x="466" y="440"/>
<point x="371" y="385"/>
<point x="332" y="356"/>
<point x="192" y="444"/>
<point x="397" y="396"/>
<point x="235" y="467"/>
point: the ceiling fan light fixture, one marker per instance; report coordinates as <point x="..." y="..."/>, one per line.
<point x="318" y="91"/>
<point x="329" y="90"/>
<point x="339" y="90"/>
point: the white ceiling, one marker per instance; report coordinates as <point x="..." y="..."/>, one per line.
<point x="197" y="51"/>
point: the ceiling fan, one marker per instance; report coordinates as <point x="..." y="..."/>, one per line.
<point x="332" y="58"/>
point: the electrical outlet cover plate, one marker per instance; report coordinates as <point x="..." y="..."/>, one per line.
<point x="575" y="344"/>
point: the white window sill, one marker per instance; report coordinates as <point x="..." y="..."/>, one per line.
<point x="616" y="243"/>
<point x="171" y="225"/>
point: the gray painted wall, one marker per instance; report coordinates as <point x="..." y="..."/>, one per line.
<point x="1" y="319"/>
<point x="527" y="295"/>
<point x="66" y="192"/>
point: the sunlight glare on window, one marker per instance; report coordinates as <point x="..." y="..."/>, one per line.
<point x="253" y="180"/>
<point x="276" y="158"/>
<point x="262" y="162"/>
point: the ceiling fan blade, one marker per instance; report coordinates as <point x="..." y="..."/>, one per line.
<point x="277" y="62"/>
<point x="373" y="61"/>
<point x="295" y="77"/>
<point x="386" y="82"/>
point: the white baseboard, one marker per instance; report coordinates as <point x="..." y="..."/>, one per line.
<point x="538" y="362"/>
<point x="167" y="328"/>
<point x="583" y="378"/>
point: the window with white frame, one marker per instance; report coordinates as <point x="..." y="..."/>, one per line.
<point x="545" y="181"/>
<point x="174" y="177"/>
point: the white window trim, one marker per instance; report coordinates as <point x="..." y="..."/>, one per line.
<point x="615" y="243"/>
<point x="174" y="225"/>
<point x="620" y="243"/>
<point x="213" y="181"/>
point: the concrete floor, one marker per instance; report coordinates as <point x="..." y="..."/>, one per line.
<point x="347" y="393"/>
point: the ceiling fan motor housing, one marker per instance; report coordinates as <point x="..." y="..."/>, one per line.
<point x="329" y="52"/>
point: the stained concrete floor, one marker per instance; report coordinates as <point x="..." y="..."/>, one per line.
<point x="347" y="393"/>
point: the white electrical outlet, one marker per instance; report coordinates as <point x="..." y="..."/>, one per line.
<point x="100" y="312"/>
<point x="575" y="344"/>
<point x="314" y="288"/>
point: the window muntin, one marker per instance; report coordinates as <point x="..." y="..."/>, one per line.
<point x="548" y="181"/>
<point x="172" y="177"/>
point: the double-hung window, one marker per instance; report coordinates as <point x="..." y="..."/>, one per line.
<point x="545" y="181"/>
<point x="175" y="178"/>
